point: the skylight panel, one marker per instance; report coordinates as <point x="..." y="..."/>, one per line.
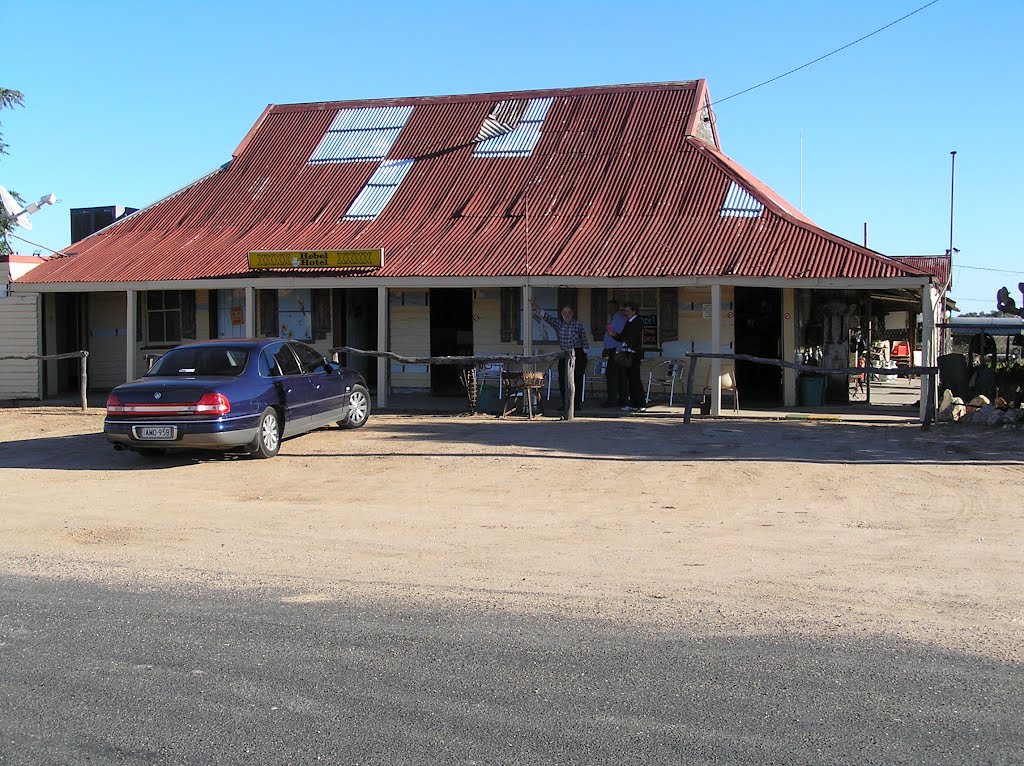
<point x="378" y="191"/>
<point x="517" y="141"/>
<point x="740" y="203"/>
<point x="361" y="135"/>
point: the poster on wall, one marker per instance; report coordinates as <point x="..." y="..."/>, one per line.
<point x="294" y="316"/>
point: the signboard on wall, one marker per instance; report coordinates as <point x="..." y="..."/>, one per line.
<point x="650" y="323"/>
<point x="315" y="259"/>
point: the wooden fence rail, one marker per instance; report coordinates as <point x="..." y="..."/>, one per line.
<point x="929" y="372"/>
<point x="473" y="361"/>
<point x="83" y="355"/>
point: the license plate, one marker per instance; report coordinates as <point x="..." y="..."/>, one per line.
<point x="156" y="433"/>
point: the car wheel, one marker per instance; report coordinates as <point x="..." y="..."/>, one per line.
<point x="268" y="436"/>
<point x="358" y="408"/>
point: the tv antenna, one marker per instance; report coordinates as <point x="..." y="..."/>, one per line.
<point x="12" y="210"/>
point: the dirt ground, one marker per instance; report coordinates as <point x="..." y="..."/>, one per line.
<point x="733" y="526"/>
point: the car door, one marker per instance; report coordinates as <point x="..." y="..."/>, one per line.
<point x="294" y="387"/>
<point x="329" y="388"/>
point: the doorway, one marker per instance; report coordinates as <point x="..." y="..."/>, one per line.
<point x="451" y="334"/>
<point x="68" y="310"/>
<point x="355" y="326"/>
<point x="759" y="333"/>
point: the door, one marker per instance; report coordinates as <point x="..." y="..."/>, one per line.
<point x="294" y="388"/>
<point x="330" y="386"/>
<point x="451" y="334"/>
<point x="759" y="333"/>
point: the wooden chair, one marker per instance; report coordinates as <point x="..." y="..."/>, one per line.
<point x="522" y="392"/>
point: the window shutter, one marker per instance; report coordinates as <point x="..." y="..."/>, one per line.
<point x="212" y="301"/>
<point x="140" y="317"/>
<point x="567" y="297"/>
<point x="598" y="312"/>
<point x="511" y="308"/>
<point x="668" y="311"/>
<point x="321" y="318"/>
<point x="268" y="313"/>
<point x="188" y="314"/>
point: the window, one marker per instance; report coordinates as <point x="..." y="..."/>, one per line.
<point x="378" y="191"/>
<point x="520" y="140"/>
<point x="647" y="300"/>
<point x="285" y="360"/>
<point x="361" y="135"/>
<point x="547" y="299"/>
<point x="199" y="361"/>
<point x="740" y="203"/>
<point x="310" y="359"/>
<point x="163" y="316"/>
<point x="294" y="314"/>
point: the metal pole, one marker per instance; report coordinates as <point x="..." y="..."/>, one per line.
<point x="952" y="181"/>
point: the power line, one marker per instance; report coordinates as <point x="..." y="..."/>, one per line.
<point x="822" y="58"/>
<point x="34" y="244"/>
<point x="984" y="268"/>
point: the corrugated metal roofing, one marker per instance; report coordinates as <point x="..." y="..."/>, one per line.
<point x="617" y="186"/>
<point x="939" y="266"/>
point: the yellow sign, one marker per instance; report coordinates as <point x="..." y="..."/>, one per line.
<point x="315" y="259"/>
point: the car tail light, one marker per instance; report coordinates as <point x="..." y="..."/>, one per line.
<point x="216" y="404"/>
<point x="208" y="404"/>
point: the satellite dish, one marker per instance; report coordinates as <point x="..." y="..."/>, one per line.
<point x="13" y="210"/>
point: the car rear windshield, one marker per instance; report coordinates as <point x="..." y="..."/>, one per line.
<point x="195" y="362"/>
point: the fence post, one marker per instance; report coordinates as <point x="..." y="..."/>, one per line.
<point x="84" y="376"/>
<point x="690" y="375"/>
<point x="570" y="384"/>
<point x="929" y="404"/>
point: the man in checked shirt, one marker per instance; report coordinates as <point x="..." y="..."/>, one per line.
<point x="572" y="336"/>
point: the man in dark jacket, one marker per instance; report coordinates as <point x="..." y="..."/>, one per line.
<point x="632" y="339"/>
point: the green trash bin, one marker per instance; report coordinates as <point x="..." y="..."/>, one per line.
<point x="812" y="390"/>
<point x="487" y="399"/>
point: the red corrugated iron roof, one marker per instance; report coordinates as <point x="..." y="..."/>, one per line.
<point x="617" y="186"/>
<point x="939" y="266"/>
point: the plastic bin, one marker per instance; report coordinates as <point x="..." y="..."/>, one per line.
<point x="487" y="399"/>
<point x="812" y="390"/>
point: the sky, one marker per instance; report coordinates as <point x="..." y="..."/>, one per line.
<point x="126" y="102"/>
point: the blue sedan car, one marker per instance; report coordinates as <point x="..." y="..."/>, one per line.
<point x="230" y="394"/>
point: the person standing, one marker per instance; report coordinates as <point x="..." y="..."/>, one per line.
<point x="572" y="336"/>
<point x="615" y="380"/>
<point x="632" y="343"/>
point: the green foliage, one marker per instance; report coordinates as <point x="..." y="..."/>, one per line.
<point x="8" y="99"/>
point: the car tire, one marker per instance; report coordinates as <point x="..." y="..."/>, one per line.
<point x="267" y="442"/>
<point x="358" y="408"/>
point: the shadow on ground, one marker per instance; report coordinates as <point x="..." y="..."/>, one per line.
<point x="668" y="439"/>
<point x="649" y="438"/>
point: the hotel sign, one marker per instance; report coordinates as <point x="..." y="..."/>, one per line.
<point x="316" y="259"/>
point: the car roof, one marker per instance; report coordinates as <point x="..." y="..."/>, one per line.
<point x="234" y="342"/>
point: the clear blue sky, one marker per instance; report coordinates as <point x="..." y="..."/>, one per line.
<point x="126" y="102"/>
